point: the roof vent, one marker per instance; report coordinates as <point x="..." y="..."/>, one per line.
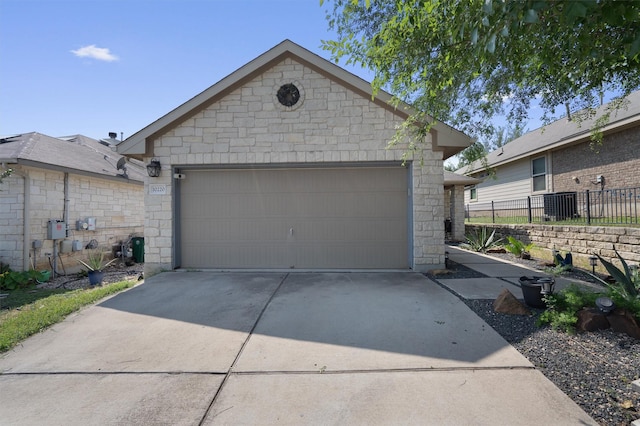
<point x="113" y="135"/>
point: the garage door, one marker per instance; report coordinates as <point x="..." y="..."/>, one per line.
<point x="321" y="218"/>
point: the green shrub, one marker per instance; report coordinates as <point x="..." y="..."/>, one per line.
<point x="11" y="280"/>
<point x="563" y="306"/>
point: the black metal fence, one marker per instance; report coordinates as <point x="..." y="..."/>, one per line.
<point x="606" y="207"/>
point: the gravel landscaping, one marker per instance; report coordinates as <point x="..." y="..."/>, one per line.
<point x="594" y="369"/>
<point x="114" y="273"/>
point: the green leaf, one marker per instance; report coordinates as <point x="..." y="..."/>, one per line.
<point x="531" y="16"/>
<point x="576" y="9"/>
<point x="487" y="7"/>
<point x="491" y="44"/>
<point x="635" y="47"/>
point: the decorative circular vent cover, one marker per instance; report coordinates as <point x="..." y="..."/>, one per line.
<point x="288" y="95"/>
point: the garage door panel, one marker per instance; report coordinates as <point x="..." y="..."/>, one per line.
<point x="300" y="218"/>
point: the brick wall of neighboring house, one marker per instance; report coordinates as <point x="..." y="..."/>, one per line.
<point x="617" y="159"/>
<point x="581" y="241"/>
<point x="333" y="124"/>
<point x="117" y="206"/>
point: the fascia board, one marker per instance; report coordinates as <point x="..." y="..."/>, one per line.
<point x="39" y="165"/>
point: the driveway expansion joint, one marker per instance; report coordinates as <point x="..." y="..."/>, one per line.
<point x="381" y="370"/>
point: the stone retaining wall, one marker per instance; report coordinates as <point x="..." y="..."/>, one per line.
<point x="581" y="241"/>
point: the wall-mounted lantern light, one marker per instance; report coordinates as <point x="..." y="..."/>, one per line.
<point x="154" y="168"/>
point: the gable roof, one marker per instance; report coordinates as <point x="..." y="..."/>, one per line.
<point x="447" y="139"/>
<point x="73" y="154"/>
<point x="560" y="133"/>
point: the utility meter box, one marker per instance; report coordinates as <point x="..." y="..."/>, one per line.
<point x="77" y="245"/>
<point x="65" y="246"/>
<point x="91" y="224"/>
<point x="56" y="230"/>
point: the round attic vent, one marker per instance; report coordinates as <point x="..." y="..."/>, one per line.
<point x="288" y="95"/>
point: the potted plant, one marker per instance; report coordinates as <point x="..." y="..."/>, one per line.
<point x="95" y="264"/>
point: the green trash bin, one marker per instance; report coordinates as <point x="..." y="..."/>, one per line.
<point x="138" y="249"/>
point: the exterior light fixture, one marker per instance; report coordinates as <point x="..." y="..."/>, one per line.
<point x="547" y="285"/>
<point x="154" y="168"/>
<point x="593" y="261"/>
<point x="605" y="305"/>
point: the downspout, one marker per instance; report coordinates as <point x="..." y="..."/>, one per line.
<point x="65" y="213"/>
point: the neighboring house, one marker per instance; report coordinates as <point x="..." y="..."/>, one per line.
<point x="284" y="164"/>
<point x="558" y="158"/>
<point x="69" y="181"/>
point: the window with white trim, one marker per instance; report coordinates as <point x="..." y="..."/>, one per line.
<point x="539" y="174"/>
<point x="473" y="193"/>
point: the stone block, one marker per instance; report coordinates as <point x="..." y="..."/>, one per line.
<point x="591" y="320"/>
<point x="623" y="321"/>
<point x="507" y="303"/>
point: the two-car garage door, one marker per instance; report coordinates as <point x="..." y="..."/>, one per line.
<point x="309" y="218"/>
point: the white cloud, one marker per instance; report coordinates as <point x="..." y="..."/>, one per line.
<point x="92" y="51"/>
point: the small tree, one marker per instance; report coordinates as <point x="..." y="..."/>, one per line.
<point x="466" y="62"/>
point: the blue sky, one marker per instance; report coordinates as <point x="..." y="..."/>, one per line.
<point x="97" y="66"/>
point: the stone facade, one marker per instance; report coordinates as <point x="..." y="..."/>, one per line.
<point x="117" y="206"/>
<point x="617" y="159"/>
<point x="454" y="210"/>
<point x="330" y="124"/>
<point x="581" y="241"/>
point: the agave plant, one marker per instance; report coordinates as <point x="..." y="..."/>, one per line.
<point x="517" y="247"/>
<point x="95" y="260"/>
<point x="478" y="240"/>
<point x="627" y="282"/>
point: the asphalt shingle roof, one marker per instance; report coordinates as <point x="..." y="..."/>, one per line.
<point x="72" y="153"/>
<point x="556" y="134"/>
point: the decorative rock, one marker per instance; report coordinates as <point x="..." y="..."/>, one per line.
<point x="496" y="250"/>
<point x="591" y="320"/>
<point x="507" y="303"/>
<point x="623" y="321"/>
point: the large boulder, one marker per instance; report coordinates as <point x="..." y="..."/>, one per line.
<point x="623" y="321"/>
<point x="591" y="320"/>
<point x="506" y="303"/>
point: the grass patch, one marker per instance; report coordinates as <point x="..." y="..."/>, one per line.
<point x="25" y="320"/>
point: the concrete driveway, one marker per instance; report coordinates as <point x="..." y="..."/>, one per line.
<point x="190" y="348"/>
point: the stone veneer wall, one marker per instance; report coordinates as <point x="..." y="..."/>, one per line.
<point x="581" y="241"/>
<point x="117" y="206"/>
<point x="330" y="124"/>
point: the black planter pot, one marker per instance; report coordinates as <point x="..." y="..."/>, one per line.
<point x="532" y="290"/>
<point x="95" y="277"/>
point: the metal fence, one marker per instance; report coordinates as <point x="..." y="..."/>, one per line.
<point x="606" y="207"/>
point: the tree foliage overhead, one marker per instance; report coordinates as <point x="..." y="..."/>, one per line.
<point x="459" y="60"/>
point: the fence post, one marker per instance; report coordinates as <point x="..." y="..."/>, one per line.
<point x="529" y="208"/>
<point x="493" y="213"/>
<point x="588" y="208"/>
